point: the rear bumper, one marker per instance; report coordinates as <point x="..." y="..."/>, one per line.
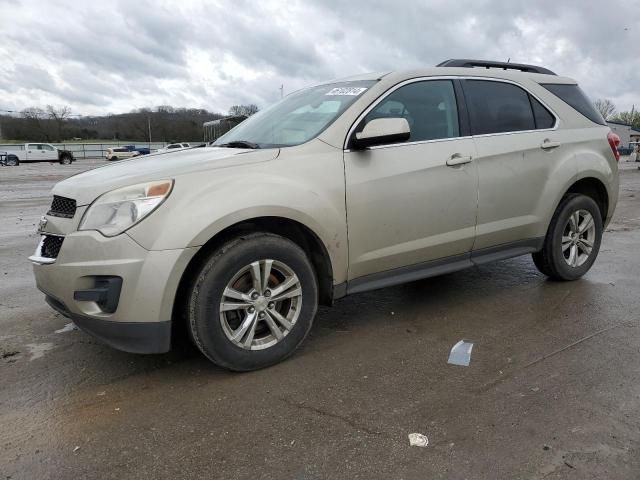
<point x="133" y="337"/>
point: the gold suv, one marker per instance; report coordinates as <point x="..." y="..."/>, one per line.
<point x="339" y="188"/>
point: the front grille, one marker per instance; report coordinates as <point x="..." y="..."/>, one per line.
<point x="51" y="246"/>
<point x="62" y="207"/>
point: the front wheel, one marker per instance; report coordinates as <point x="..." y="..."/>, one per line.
<point x="573" y="239"/>
<point x="65" y="160"/>
<point x="253" y="302"/>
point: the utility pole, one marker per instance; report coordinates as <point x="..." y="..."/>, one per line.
<point x="149" y="125"/>
<point x="282" y="90"/>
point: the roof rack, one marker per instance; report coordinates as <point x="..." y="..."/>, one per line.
<point x="464" y="62"/>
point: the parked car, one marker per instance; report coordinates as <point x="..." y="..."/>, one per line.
<point x="9" y="159"/>
<point x="39" y="152"/>
<point x="172" y="147"/>
<point x="140" y="150"/>
<point x="430" y="171"/>
<point x="120" y="153"/>
<point x="625" y="150"/>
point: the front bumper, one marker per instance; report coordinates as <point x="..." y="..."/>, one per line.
<point x="140" y="319"/>
<point x="133" y="337"/>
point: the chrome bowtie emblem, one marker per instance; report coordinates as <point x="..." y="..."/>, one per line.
<point x="42" y="224"/>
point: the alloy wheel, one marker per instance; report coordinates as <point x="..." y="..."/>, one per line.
<point x="578" y="238"/>
<point x="260" y="304"/>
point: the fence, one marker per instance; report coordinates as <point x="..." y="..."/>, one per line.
<point x="99" y="150"/>
<point x="90" y="150"/>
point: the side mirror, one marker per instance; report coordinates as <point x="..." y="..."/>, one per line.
<point x="381" y="131"/>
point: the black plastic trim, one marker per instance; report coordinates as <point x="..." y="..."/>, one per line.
<point x="507" y="250"/>
<point x="445" y="265"/>
<point x="132" y="337"/>
<point x="409" y="274"/>
<point x="464" y="122"/>
<point x="105" y="292"/>
<point x="339" y="290"/>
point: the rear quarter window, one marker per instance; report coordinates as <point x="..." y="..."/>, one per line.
<point x="576" y="98"/>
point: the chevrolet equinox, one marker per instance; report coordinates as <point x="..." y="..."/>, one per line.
<point x="339" y="188"/>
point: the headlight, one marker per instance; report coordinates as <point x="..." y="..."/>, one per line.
<point x="116" y="211"/>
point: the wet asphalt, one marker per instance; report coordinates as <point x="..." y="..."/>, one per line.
<point x="552" y="390"/>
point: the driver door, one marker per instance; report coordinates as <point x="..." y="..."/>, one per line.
<point x="411" y="203"/>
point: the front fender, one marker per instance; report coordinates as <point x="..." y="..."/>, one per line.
<point x="311" y="193"/>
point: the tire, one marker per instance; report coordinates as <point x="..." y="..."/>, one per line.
<point x="65" y="160"/>
<point x="564" y="253"/>
<point x="12" y="161"/>
<point x="113" y="159"/>
<point x="213" y="330"/>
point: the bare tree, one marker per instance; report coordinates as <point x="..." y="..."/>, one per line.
<point x="38" y="124"/>
<point x="245" y="110"/>
<point x="629" y="118"/>
<point x="606" y="107"/>
<point x="58" y="115"/>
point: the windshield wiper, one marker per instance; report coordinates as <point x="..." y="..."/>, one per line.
<point x="239" y="144"/>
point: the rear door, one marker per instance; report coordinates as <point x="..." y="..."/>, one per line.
<point x="516" y="146"/>
<point x="412" y="202"/>
<point x="49" y="153"/>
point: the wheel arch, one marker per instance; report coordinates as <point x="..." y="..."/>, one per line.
<point x="595" y="189"/>
<point x="293" y="230"/>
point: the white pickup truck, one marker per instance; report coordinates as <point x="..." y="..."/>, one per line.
<point x="36" y="152"/>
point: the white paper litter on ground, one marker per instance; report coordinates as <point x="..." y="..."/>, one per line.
<point x="418" y="440"/>
<point x="461" y="354"/>
<point x="69" y="327"/>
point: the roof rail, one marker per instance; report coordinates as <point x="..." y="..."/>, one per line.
<point x="464" y="62"/>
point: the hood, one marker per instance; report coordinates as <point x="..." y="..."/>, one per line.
<point x="87" y="186"/>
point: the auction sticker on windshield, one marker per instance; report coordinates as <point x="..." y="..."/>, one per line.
<point x="346" y="91"/>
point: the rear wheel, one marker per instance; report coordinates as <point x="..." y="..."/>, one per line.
<point x="12" y="161"/>
<point x="573" y="239"/>
<point x="253" y="302"/>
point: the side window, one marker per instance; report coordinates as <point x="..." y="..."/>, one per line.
<point x="48" y="148"/>
<point x="496" y="107"/>
<point x="542" y="116"/>
<point x="429" y="107"/>
<point x="32" y="146"/>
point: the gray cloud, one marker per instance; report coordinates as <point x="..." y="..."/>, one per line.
<point x="119" y="55"/>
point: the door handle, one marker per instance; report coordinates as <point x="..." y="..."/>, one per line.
<point x="547" y="144"/>
<point x="457" y="159"/>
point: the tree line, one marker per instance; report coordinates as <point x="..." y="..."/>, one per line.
<point x="608" y="110"/>
<point x="163" y="123"/>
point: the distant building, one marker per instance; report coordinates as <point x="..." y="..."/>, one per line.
<point x="217" y="128"/>
<point x="626" y="132"/>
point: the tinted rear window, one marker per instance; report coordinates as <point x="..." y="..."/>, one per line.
<point x="496" y="107"/>
<point x="544" y="118"/>
<point x="574" y="96"/>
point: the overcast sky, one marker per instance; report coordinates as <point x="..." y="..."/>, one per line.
<point x="104" y="56"/>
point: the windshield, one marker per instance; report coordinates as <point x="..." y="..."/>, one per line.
<point x="297" y="118"/>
